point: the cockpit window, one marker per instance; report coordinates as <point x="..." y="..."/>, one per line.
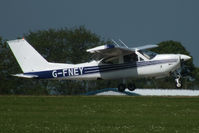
<point x="148" y="54"/>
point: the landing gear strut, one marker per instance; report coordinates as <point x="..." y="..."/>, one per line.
<point x="121" y="87"/>
<point x="130" y="86"/>
<point x="178" y="82"/>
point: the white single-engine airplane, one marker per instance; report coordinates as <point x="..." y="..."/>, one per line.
<point x="111" y="62"/>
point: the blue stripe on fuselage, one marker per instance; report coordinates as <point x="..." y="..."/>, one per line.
<point x="59" y="73"/>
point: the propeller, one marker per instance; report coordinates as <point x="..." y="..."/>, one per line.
<point x="184" y="69"/>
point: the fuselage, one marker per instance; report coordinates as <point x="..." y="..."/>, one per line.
<point x="160" y="66"/>
<point x="111" y="62"/>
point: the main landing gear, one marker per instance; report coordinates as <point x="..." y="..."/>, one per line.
<point x="130" y="86"/>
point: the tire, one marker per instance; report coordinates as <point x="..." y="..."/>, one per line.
<point x="179" y="85"/>
<point x="131" y="86"/>
<point x="121" y="87"/>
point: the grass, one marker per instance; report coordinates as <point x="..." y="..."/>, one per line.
<point x="111" y="114"/>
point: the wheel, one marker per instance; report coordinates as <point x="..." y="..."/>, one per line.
<point x="178" y="85"/>
<point x="131" y="86"/>
<point x="121" y="87"/>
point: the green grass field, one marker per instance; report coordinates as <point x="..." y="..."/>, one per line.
<point x="111" y="114"/>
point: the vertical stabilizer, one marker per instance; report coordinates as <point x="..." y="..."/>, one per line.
<point x="27" y="57"/>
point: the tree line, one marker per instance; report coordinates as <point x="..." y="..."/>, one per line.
<point x="68" y="45"/>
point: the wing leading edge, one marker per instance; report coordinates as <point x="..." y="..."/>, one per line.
<point x="112" y="50"/>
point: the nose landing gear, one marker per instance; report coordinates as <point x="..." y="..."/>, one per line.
<point x="178" y="83"/>
<point x="177" y="79"/>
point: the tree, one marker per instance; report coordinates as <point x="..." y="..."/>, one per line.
<point x="66" y="46"/>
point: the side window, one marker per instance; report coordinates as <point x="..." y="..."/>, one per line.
<point x="112" y="60"/>
<point x="130" y="58"/>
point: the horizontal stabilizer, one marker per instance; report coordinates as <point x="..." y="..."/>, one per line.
<point x="25" y="75"/>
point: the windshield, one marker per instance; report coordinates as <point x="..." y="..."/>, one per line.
<point x="148" y="54"/>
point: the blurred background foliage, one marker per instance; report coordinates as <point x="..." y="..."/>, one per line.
<point x="69" y="46"/>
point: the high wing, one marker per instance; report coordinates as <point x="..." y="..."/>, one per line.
<point x="112" y="50"/>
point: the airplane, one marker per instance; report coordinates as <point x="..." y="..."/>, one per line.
<point x="110" y="61"/>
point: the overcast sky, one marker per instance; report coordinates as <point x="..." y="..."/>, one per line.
<point x="136" y="22"/>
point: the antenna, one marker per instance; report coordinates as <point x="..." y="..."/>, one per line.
<point x="123" y="43"/>
<point x="115" y="42"/>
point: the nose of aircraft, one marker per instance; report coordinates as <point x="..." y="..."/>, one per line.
<point x="184" y="57"/>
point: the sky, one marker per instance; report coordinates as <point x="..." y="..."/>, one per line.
<point x="135" y="22"/>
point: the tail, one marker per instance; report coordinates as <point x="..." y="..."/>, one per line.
<point x="27" y="57"/>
